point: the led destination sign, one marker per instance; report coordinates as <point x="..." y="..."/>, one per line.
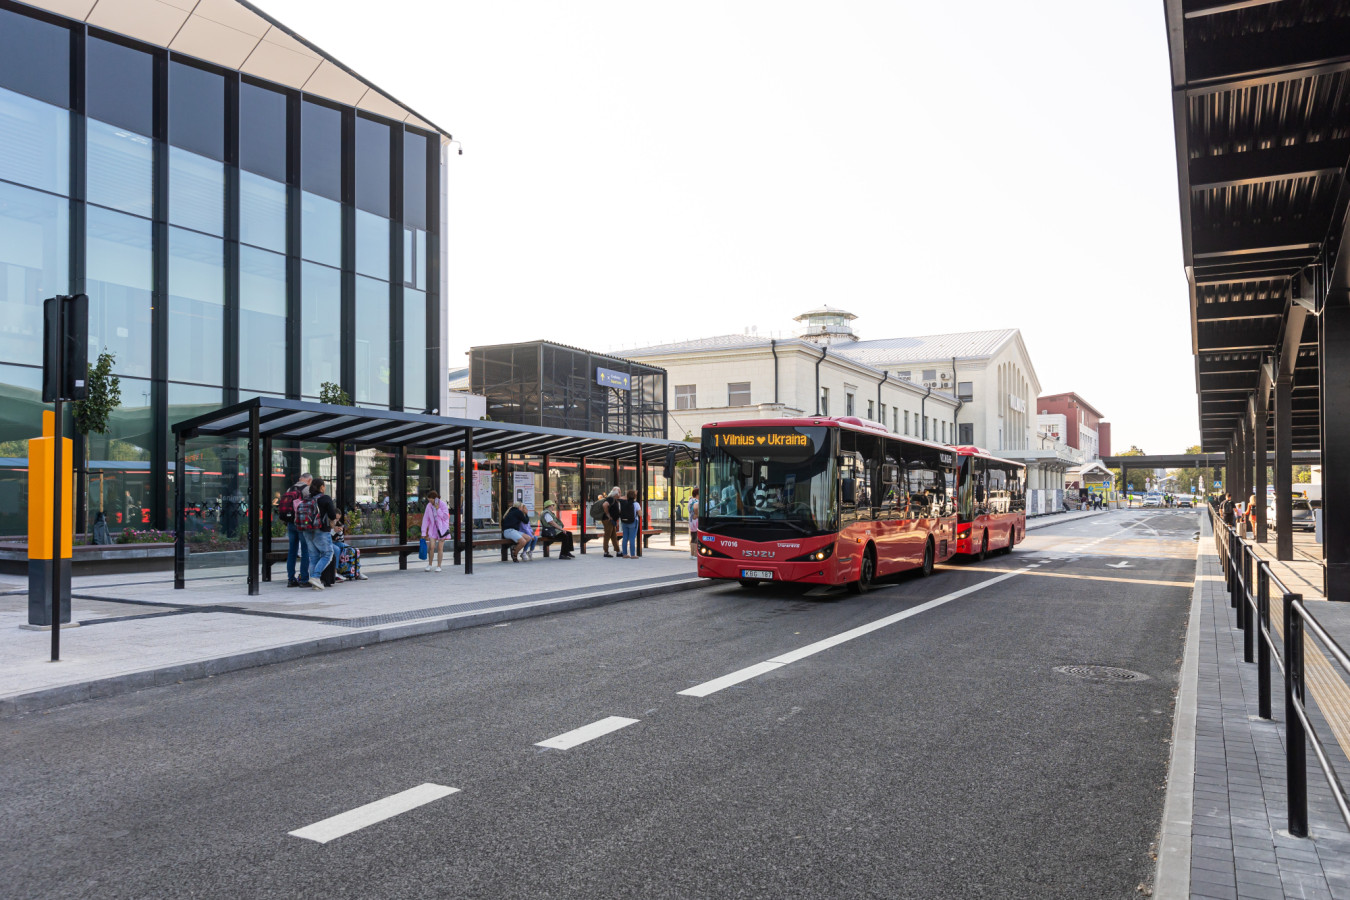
<point x="769" y="439"/>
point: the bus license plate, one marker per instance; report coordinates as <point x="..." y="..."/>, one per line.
<point x="756" y="573"/>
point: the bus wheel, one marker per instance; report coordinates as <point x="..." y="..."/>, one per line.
<point x="748" y="583"/>
<point x="927" y="560"/>
<point x="866" y="572"/>
<point x="984" y="549"/>
<point x="1012" y="540"/>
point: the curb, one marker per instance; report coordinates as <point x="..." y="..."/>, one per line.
<point x="1054" y="519"/>
<point x="49" y="698"/>
<point x="1172" y="880"/>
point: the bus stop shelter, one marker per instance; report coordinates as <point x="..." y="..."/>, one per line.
<point x="262" y="422"/>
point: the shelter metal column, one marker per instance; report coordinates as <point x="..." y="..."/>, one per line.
<point x="544" y="466"/>
<point x="1259" y="438"/>
<point x="266" y="499"/>
<point x="457" y="494"/>
<point x="251" y="506"/>
<point x="180" y="513"/>
<point x="401" y="498"/>
<point x="1284" y="467"/>
<point x="642" y="498"/>
<point x="585" y="502"/>
<point x="1333" y="328"/>
<point x="468" y="499"/>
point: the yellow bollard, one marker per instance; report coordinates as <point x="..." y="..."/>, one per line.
<point x="40" y="509"/>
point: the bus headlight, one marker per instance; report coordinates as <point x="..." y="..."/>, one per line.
<point x="705" y="550"/>
<point x="815" y="555"/>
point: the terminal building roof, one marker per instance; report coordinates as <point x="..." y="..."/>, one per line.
<point x="928" y="348"/>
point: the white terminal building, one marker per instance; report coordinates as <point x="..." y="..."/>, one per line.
<point x="975" y="387"/>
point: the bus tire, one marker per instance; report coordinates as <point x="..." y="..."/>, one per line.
<point x="983" y="553"/>
<point x="927" y="568"/>
<point x="867" y="572"/>
<point x="1012" y="540"/>
<point x="748" y="583"/>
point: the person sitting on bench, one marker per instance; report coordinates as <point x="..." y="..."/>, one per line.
<point x="512" y="521"/>
<point x="553" y="530"/>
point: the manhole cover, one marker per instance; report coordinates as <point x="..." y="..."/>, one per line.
<point x="1101" y="673"/>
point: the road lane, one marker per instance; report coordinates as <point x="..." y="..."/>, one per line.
<point x="940" y="756"/>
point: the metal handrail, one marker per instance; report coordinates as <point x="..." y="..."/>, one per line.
<point x="1237" y="557"/>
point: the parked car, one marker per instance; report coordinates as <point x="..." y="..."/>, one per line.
<point x="1300" y="515"/>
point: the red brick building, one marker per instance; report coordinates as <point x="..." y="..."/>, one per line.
<point x="1084" y="429"/>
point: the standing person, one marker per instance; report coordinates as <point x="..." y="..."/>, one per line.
<point x="612" y="514"/>
<point x="435" y="529"/>
<point x="315" y="516"/>
<point x="553" y="530"/>
<point x="296" y="545"/>
<point x="512" y="521"/>
<point x="693" y="523"/>
<point x="1251" y="514"/>
<point x="630" y="513"/>
<point x="1226" y="509"/>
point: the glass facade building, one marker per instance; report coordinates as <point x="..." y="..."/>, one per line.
<point x="235" y="236"/>
<point x="556" y="386"/>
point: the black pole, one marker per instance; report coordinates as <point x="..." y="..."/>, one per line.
<point x="180" y="514"/>
<point x="1260" y="438"/>
<point x="57" y="517"/>
<point x="401" y="498"/>
<point x="1262" y="646"/>
<point x="585" y="503"/>
<point x="1295" y="754"/>
<point x="1284" y="464"/>
<point x="641" y="473"/>
<point x="251" y="506"/>
<point x="545" y="464"/>
<point x="1248" y="595"/>
<point x="468" y="495"/>
<point x="459" y="513"/>
<point x="265" y="474"/>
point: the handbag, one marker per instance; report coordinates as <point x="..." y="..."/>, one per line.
<point x="422" y="549"/>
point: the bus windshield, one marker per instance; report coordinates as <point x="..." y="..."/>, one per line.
<point x="779" y="478"/>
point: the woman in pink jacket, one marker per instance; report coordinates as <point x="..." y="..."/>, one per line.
<point x="435" y="528"/>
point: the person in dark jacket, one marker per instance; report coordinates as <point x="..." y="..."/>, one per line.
<point x="1226" y="510"/>
<point x="512" y="521"/>
<point x="320" y="540"/>
<point x="553" y="530"/>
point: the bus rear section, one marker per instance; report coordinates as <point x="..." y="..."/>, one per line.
<point x="768" y="507"/>
<point x="991" y="507"/>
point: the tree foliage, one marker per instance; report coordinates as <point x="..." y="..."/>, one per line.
<point x="104" y="395"/>
<point x="1137" y="476"/>
<point x="333" y="395"/>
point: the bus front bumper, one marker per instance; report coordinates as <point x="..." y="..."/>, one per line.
<point x="824" y="572"/>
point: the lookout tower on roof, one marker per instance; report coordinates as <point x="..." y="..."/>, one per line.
<point x="827" y="326"/>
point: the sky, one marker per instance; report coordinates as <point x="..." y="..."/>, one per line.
<point x="635" y="173"/>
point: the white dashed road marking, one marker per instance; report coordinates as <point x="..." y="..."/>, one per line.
<point x="587" y="733"/>
<point x="717" y="684"/>
<point x="356" y="819"/>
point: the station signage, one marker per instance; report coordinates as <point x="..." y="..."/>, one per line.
<point x="610" y="378"/>
<point x="757" y="439"/>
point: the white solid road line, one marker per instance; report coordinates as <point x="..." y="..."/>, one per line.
<point x="586" y="733"/>
<point x="356" y="819"/>
<point x="717" y="684"/>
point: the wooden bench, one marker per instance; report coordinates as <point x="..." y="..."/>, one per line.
<point x="272" y="557"/>
<point x="577" y="540"/>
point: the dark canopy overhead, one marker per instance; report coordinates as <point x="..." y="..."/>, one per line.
<point x="295" y="420"/>
<point x="1261" y="102"/>
<point x="1190" y="460"/>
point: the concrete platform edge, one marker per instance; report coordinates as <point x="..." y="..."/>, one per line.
<point x="50" y="698"/>
<point x="1172" y="880"/>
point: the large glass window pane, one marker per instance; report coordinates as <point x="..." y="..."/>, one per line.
<point x="414" y="350"/>
<point x="34" y="60"/>
<point x="197" y="110"/>
<point x="320" y="229"/>
<point x="372" y="166"/>
<point x="262" y="131"/>
<point x="119" y="85"/>
<point x="414" y="179"/>
<point x="321" y="150"/>
<point x="21" y="400"/>
<point x="262" y="320"/>
<point x="320" y="327"/>
<point x="196" y="307"/>
<point x="34" y="265"/>
<point x="118" y="283"/>
<point x="119" y="476"/>
<point x="34" y="142"/>
<point x="196" y="192"/>
<point x="262" y="212"/>
<point x="372" y="341"/>
<point x="415" y="258"/>
<point x="121" y="169"/>
<point x="372" y="245"/>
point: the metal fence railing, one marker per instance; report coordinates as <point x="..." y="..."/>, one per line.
<point x="1249" y="579"/>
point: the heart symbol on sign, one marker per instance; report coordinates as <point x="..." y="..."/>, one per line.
<point x="761" y="440"/>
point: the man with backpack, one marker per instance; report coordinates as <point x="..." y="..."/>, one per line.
<point x="611" y="520"/>
<point x="296" y="545"/>
<point x="315" y="514"/>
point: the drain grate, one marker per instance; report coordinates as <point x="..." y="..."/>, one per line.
<point x="1101" y="673"/>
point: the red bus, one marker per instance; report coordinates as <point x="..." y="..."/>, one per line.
<point x="822" y="501"/>
<point x="991" y="503"/>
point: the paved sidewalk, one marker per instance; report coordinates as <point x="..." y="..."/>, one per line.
<point x="1060" y="518"/>
<point x="1234" y="843"/>
<point x="136" y="631"/>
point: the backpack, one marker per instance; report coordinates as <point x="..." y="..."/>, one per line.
<point x="307" y="515"/>
<point x="286" y="506"/>
<point x="627" y="513"/>
<point x="598" y="510"/>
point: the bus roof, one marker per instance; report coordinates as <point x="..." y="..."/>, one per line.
<point x="967" y="450"/>
<point x="852" y="423"/>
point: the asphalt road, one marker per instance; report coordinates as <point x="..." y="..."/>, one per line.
<point x="938" y="756"/>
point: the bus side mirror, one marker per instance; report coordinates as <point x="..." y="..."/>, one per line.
<point x="846" y="486"/>
<point x="747" y="468"/>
